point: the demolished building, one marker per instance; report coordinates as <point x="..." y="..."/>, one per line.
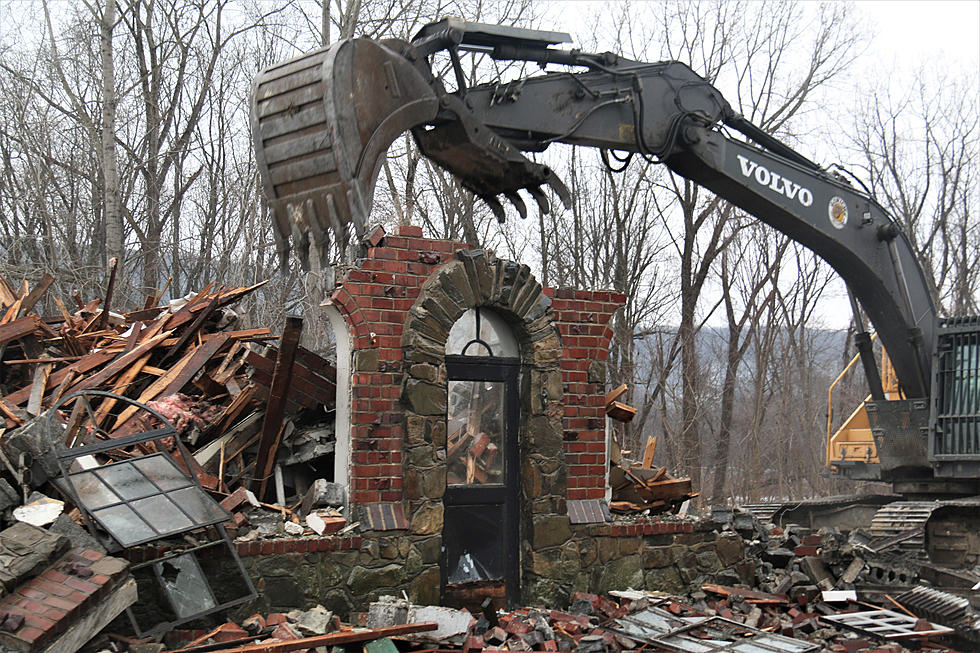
<point x="456" y="453"/>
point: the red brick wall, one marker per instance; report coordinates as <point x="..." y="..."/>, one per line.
<point x="582" y="318"/>
<point x="375" y="297"/>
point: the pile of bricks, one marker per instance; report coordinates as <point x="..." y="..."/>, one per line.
<point x="49" y="589"/>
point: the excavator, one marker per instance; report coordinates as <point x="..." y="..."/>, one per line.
<point x="323" y="122"/>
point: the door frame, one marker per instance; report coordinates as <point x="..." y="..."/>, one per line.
<point x="507" y="495"/>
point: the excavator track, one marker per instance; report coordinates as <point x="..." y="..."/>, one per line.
<point x="943" y="532"/>
<point x="900" y="516"/>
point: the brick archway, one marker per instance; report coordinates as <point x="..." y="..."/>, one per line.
<point x="477" y="278"/>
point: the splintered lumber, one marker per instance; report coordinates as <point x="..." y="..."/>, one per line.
<point x="117" y="365"/>
<point x="10" y="414"/>
<point x="192" y="330"/>
<point x="275" y="411"/>
<point x="678" y="488"/>
<point x="41" y="375"/>
<point x="649" y="451"/>
<point x="232" y="411"/>
<point x="175" y="378"/>
<point x="613" y="395"/>
<point x="120" y="386"/>
<point x="12" y="312"/>
<point x="750" y="596"/>
<point x="35" y="295"/>
<point x="7" y="294"/>
<point x="18" y="328"/>
<point x="104" y="315"/>
<point x="620" y="411"/>
<point x="82" y="366"/>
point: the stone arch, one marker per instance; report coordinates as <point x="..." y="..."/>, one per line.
<point x="478" y="278"/>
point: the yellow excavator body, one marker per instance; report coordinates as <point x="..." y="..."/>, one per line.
<point x="853" y="442"/>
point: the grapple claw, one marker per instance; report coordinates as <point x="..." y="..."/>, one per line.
<point x="543" y="205"/>
<point x="560" y="189"/>
<point x="495" y="206"/>
<point x="518" y="203"/>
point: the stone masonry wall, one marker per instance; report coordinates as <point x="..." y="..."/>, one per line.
<point x="345" y="574"/>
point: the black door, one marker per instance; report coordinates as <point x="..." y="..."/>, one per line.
<point x="480" y="533"/>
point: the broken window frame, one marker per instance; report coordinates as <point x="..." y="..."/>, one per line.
<point x="65" y="458"/>
<point x="676" y="636"/>
<point x="886" y="624"/>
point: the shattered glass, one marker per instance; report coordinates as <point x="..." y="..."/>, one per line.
<point x="704" y="634"/>
<point x="189" y="592"/>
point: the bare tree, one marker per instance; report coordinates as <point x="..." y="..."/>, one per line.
<point x="918" y="150"/>
<point x="755" y="294"/>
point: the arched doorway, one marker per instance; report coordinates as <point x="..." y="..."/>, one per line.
<point x="481" y="501"/>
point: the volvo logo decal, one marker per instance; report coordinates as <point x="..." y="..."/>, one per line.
<point x="774" y="181"/>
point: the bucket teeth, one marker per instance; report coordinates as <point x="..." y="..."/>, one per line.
<point x="518" y="203"/>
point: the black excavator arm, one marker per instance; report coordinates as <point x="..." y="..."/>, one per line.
<point x="323" y="122"/>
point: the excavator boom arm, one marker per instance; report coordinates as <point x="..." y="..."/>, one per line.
<point x="323" y="122"/>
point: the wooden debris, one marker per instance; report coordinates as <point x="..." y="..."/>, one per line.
<point x="642" y="488"/>
<point x="620" y="411"/>
<point x="649" y="452"/>
<point x="613" y="395"/>
<point x="272" y="426"/>
<point x="212" y="384"/>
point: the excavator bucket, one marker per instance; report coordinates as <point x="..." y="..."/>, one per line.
<point x="321" y="124"/>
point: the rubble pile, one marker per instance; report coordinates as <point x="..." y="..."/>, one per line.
<point x="140" y="423"/>
<point x="639" y="488"/>
<point x="715" y="619"/>
<point x="185" y="360"/>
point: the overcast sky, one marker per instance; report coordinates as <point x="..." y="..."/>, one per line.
<point x="909" y="31"/>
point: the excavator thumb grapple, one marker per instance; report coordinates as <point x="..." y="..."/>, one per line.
<point x="322" y="122"/>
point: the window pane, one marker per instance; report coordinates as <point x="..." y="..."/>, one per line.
<point x="199" y="506"/>
<point x="474" y="540"/>
<point x="92" y="492"/>
<point x="476" y="427"/>
<point x="160" y="513"/>
<point x="124" y="525"/>
<point x="497" y="333"/>
<point x="185" y="584"/>
<point x="162" y="471"/>
<point x="494" y="338"/>
<point x="126" y="481"/>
